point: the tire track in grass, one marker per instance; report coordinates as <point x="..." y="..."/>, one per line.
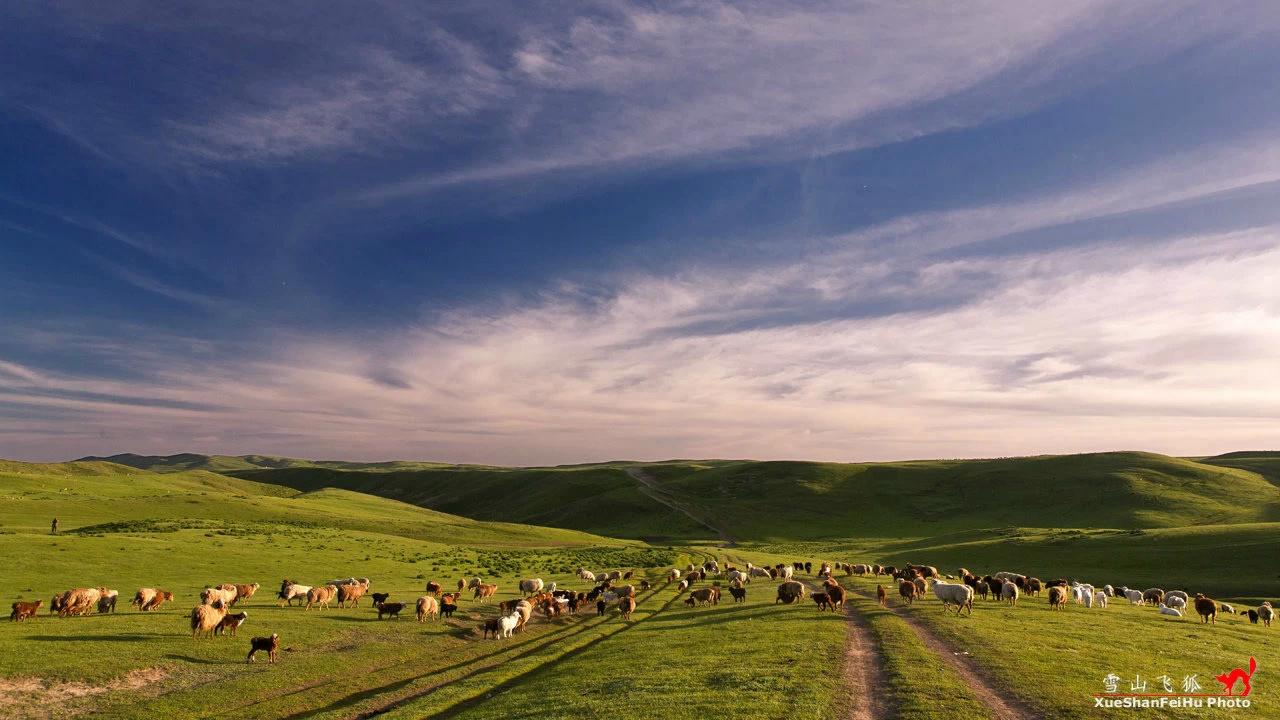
<point x="650" y="487"/>
<point x="1002" y="704"/>
<point x="862" y="673"/>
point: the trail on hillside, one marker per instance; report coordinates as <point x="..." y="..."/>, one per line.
<point x="649" y="486"/>
<point x="1001" y="703"/>
<point x="863" y="672"/>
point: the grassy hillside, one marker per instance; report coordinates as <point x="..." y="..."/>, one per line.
<point x="1266" y="464"/>
<point x="108" y="498"/>
<point x="232" y="463"/>
<point x="601" y="500"/>
<point x="774" y="501"/>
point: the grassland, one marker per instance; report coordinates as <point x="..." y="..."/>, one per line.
<point x="788" y="501"/>
<point x="1166" y="522"/>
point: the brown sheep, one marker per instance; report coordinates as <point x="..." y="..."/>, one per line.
<point x="644" y="585"/>
<point x="226" y="593"/>
<point x="822" y="599"/>
<point x="206" y="618"/>
<point x="428" y="607"/>
<point x="1057" y="597"/>
<point x="269" y="644"/>
<point x="627" y="605"/>
<point x="391" y="609"/>
<point x="484" y="591"/>
<point x="350" y="594"/>
<point x="244" y="592"/>
<point x="107" y="601"/>
<point x="1152" y="596"/>
<point x="161" y="597"/>
<point x="789" y="592"/>
<point x="703" y="595"/>
<point x="491" y="626"/>
<point x="321" y="596"/>
<point x="836" y="593"/>
<point x="1207" y="609"/>
<point x="1034" y="586"/>
<point x="433" y="588"/>
<point x="449" y="598"/>
<point x="462" y="585"/>
<point x="907" y="590"/>
<point x="24" y="610"/>
<point x="231" y="623"/>
<point x="881" y="596"/>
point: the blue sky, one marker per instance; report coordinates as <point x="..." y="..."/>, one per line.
<point x="534" y="233"/>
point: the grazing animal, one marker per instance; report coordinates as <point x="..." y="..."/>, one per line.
<point x="786" y="572"/>
<point x="601" y="605"/>
<point x="881" y="596"/>
<point x="789" y="592"/>
<point x="822" y="600"/>
<point x="1207" y="609"/>
<point x="707" y="596"/>
<point x="351" y="594"/>
<point x="1265" y="613"/>
<point x="226" y="594"/>
<point x="1010" y="593"/>
<point x="1166" y="610"/>
<point x="266" y="644"/>
<point x="957" y="594"/>
<point x="390" y="609"/>
<point x="79" y="601"/>
<point x="1153" y="596"/>
<point x="24" y="610"/>
<point x="462" y="585"/>
<point x="1253" y="616"/>
<point x="428" y="607"/>
<point x="1176" y="602"/>
<point x="1229" y="680"/>
<point x="739" y="594"/>
<point x="290" y="590"/>
<point x="206" y="618"/>
<point x="644" y="585"/>
<point x="491" y="626"/>
<point x="447" y="609"/>
<point x="672" y="576"/>
<point x="434" y="588"/>
<point x="107" y="601"/>
<point x="907" y="590"/>
<point x="474" y="583"/>
<point x="1100" y="598"/>
<point x="484" y="592"/>
<point x="531" y="587"/>
<point x="379" y="597"/>
<point x="231" y="623"/>
<point x="627" y="606"/>
<point x="321" y="596"/>
<point x="244" y="592"/>
<point x="684" y="585"/>
<point x="1057" y="597"/>
<point x="1134" y="597"/>
<point x="1224" y="607"/>
<point x="1034" y="586"/>
<point x="508" y="623"/>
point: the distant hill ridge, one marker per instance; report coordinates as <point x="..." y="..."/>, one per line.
<point x="754" y="500"/>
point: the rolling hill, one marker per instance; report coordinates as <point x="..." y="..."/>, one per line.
<point x="771" y="501"/>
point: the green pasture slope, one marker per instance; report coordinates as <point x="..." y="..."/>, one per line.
<point x="1144" y="520"/>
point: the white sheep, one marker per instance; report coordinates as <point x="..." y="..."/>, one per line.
<point x="1166" y="610"/>
<point x="673" y="575"/>
<point x="508" y="623"/>
<point x="1009" y="592"/>
<point x="1133" y="596"/>
<point x="1177" y="594"/>
<point x="759" y="572"/>
<point x="1110" y="591"/>
<point x="1175" y="602"/>
<point x="1100" y="598"/>
<point x="1223" y="607"/>
<point x="1087" y="597"/>
<point x="295" y="591"/>
<point x="955" y="593"/>
<point x="586" y="575"/>
<point x="786" y="573"/>
<point x="529" y="587"/>
<point x="1266" y="614"/>
<point x="738" y="575"/>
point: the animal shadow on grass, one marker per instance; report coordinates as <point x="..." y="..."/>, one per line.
<point x="203" y="661"/>
<point x="132" y="637"/>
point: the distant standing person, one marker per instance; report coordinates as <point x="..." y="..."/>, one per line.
<point x="53" y="529"/>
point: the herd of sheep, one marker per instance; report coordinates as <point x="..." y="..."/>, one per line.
<point x="214" y="614"/>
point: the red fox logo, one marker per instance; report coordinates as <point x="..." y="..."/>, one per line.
<point x="1228" y="680"/>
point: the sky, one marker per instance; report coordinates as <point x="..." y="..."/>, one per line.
<point x="532" y="233"/>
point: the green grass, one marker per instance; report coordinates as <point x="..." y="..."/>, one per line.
<point x="1059" y="659"/>
<point x="788" y="501"/>
<point x="1159" y="522"/>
